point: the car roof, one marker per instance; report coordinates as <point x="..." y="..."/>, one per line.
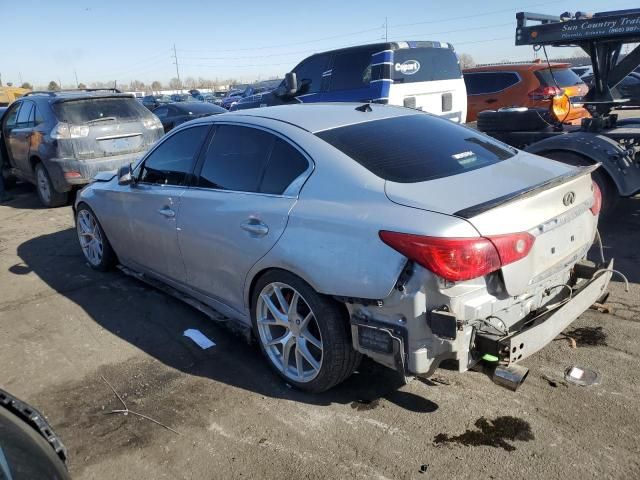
<point x="316" y="117"/>
<point x="516" y="67"/>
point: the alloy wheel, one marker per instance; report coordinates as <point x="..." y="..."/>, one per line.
<point x="43" y="185"/>
<point x="289" y="332"/>
<point x="90" y="237"/>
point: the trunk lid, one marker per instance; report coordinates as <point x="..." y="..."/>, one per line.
<point x="526" y="193"/>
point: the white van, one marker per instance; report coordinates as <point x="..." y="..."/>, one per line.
<point x="422" y="75"/>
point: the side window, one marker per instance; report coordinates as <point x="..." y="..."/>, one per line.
<point x="173" y="160"/>
<point x="351" y="70"/>
<point x="38" y="116"/>
<point x="12" y="116"/>
<point x="24" y="116"/>
<point x="236" y="158"/>
<point x="311" y="70"/>
<point x="489" y="82"/>
<point x="285" y="165"/>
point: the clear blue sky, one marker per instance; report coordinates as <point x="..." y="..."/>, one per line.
<point x="126" y="40"/>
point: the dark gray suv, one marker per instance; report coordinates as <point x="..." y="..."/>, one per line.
<point x="60" y="140"/>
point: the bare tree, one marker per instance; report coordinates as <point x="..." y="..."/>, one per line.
<point x="53" y="86"/>
<point x="82" y="85"/>
<point x="136" y="85"/>
<point x="27" y="85"/>
<point x="175" y="84"/>
<point x="156" y="86"/>
<point x="466" y="60"/>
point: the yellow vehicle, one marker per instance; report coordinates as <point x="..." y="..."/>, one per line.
<point x="9" y="94"/>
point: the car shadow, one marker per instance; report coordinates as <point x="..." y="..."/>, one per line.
<point x="155" y="322"/>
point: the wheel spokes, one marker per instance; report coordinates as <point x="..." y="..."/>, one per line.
<point x="279" y="318"/>
<point x="286" y="352"/>
<point x="304" y="351"/>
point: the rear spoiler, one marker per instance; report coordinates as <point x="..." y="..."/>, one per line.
<point x="92" y="97"/>
<point x="471" y="212"/>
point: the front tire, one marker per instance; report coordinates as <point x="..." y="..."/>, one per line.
<point x="49" y="196"/>
<point x="93" y="241"/>
<point x="305" y="336"/>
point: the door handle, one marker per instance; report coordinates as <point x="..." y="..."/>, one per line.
<point x="491" y="100"/>
<point x="255" y="227"/>
<point x="167" y="212"/>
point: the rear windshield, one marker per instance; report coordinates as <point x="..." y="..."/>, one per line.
<point x="564" y="77"/>
<point x="90" y="109"/>
<point x="424" y="65"/>
<point x="416" y="148"/>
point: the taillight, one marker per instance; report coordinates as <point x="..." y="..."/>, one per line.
<point x="597" y="199"/>
<point x="63" y="131"/>
<point x="457" y="259"/>
<point x="545" y="93"/>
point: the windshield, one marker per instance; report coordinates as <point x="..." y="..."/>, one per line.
<point x="564" y="76"/>
<point x="416" y="148"/>
<point x="91" y="109"/>
<point x="424" y="65"/>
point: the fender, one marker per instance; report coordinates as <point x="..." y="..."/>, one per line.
<point x="616" y="161"/>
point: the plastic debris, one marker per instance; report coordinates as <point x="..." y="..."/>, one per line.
<point x="199" y="338"/>
<point x="581" y="376"/>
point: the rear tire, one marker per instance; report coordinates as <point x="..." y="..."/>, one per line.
<point x="333" y="357"/>
<point x="532" y="119"/>
<point x="49" y="196"/>
<point x="610" y="196"/>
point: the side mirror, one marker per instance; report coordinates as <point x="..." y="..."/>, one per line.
<point x="289" y="86"/>
<point x="125" y="176"/>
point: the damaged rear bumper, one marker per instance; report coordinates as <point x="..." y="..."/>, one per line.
<point x="401" y="344"/>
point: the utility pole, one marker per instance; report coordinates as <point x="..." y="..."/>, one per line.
<point x="175" y="57"/>
<point x="59" y="83"/>
<point x="76" y="75"/>
<point x="386" y="30"/>
<point x="20" y="77"/>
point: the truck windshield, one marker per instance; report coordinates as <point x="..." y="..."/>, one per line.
<point x="424" y="65"/>
<point x="416" y="148"/>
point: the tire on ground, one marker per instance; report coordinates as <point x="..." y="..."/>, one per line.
<point x="532" y="119"/>
<point x="339" y="358"/>
<point x="55" y="198"/>
<point x="610" y="196"/>
<point x="109" y="258"/>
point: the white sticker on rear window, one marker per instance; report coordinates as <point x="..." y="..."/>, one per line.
<point x="408" y="67"/>
<point x="464" y="158"/>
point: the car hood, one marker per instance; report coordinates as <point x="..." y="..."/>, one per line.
<point x="452" y="194"/>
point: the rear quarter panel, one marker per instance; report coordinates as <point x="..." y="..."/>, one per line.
<point x="331" y="239"/>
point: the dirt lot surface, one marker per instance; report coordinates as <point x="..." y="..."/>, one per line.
<point x="64" y="327"/>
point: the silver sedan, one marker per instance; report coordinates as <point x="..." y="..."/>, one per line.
<point x="342" y="229"/>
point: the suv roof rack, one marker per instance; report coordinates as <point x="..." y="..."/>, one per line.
<point x="600" y="35"/>
<point x="53" y="93"/>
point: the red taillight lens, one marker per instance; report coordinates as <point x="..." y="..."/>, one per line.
<point x="457" y="259"/>
<point x="597" y="199"/>
<point x="545" y="93"/>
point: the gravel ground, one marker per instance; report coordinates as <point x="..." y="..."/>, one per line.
<point x="64" y="328"/>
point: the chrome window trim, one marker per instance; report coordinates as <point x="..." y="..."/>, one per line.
<point x="496" y="91"/>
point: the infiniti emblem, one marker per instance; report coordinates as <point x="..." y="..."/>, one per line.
<point x="569" y="198"/>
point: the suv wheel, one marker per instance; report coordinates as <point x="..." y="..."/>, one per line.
<point x="304" y="335"/>
<point x="47" y="193"/>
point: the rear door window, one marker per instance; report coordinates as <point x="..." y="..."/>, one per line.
<point x="424" y="65"/>
<point x="480" y="83"/>
<point x="96" y="109"/>
<point x="236" y="158"/>
<point x="12" y="116"/>
<point x="416" y="148"/>
<point x="564" y="76"/>
<point x="24" y="116"/>
<point x="172" y="162"/>
<point x="286" y="164"/>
